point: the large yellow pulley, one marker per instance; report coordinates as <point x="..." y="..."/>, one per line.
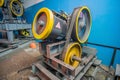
<point x="73" y="50"/>
<point x="1" y="3"/>
<point x="16" y="8"/>
<point x="43" y="23"/>
<point x="82" y="26"/>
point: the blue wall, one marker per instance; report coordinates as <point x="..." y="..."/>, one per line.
<point x="105" y="22"/>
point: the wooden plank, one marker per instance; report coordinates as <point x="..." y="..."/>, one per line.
<point x="47" y="73"/>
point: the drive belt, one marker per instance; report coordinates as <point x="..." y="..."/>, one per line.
<point x="71" y="25"/>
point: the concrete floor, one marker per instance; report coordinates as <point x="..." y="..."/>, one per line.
<point x="15" y="64"/>
<point x="100" y="74"/>
<point x="17" y="59"/>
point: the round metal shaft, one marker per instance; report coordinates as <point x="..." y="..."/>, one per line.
<point x="41" y="23"/>
<point x="76" y="58"/>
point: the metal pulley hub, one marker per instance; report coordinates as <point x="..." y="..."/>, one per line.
<point x="16" y="8"/>
<point x="1" y="3"/>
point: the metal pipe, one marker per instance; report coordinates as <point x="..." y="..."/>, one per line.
<point x="103" y="45"/>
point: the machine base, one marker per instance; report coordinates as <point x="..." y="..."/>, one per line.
<point x="51" y="67"/>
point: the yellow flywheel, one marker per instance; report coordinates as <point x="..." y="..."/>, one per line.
<point x="1" y="3"/>
<point x="82" y="26"/>
<point x="73" y="49"/>
<point x="42" y="23"/>
<point x="16" y="7"/>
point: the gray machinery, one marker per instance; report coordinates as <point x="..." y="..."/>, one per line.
<point x="65" y="54"/>
<point x="13" y="20"/>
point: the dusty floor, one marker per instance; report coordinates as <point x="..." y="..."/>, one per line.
<point x="17" y="60"/>
<point x="17" y="64"/>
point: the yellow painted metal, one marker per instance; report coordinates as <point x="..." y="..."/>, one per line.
<point x="21" y="7"/>
<point x="73" y="49"/>
<point x="77" y="33"/>
<point x="49" y="25"/>
<point x="25" y="33"/>
<point x="1" y="3"/>
<point x="65" y="16"/>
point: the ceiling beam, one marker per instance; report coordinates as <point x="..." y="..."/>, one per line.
<point x="29" y="3"/>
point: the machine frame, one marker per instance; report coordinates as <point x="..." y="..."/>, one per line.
<point x="52" y="59"/>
